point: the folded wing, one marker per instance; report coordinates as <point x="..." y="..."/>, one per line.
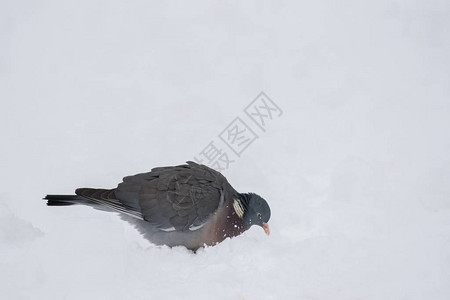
<point x="171" y="198"/>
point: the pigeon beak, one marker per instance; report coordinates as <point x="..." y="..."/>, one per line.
<point x="266" y="228"/>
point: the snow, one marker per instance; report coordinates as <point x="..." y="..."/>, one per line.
<point x="356" y="170"/>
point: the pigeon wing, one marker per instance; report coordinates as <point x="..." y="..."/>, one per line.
<point x="174" y="198"/>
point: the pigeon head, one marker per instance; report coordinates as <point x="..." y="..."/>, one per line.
<point x="256" y="211"/>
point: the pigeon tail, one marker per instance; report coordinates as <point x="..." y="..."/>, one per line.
<point x="61" y="200"/>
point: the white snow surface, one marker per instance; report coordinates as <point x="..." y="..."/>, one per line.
<point x="356" y="170"/>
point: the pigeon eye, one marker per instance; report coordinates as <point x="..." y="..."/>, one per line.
<point x="259" y="215"/>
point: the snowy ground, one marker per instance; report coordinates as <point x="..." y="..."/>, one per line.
<point x="356" y="170"/>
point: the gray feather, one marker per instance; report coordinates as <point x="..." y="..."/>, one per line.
<point x="177" y="197"/>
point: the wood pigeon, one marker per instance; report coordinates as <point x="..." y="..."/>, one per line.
<point x="189" y="205"/>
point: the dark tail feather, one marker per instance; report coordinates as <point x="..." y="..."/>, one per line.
<point x="61" y="200"/>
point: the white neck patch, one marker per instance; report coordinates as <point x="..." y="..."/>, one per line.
<point x="237" y="205"/>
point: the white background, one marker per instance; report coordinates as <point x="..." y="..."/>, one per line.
<point x="356" y="170"/>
